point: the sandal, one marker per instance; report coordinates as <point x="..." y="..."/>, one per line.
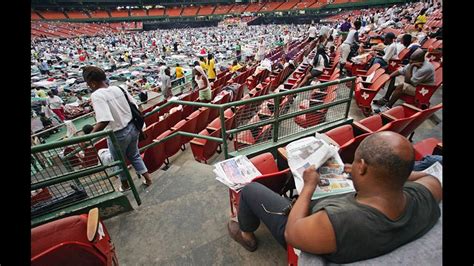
<point x="236" y="234"/>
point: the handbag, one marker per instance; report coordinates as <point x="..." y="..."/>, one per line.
<point x="137" y="117"/>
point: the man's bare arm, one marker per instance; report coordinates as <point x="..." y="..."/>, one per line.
<point x="430" y="182"/>
<point x="313" y="233"/>
<point x="100" y="126"/>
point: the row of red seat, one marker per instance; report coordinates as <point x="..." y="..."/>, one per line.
<point x="68" y="29"/>
<point x="183" y="11"/>
<point x="403" y="119"/>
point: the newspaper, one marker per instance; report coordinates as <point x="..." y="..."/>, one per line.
<point x="435" y="170"/>
<point x="312" y="151"/>
<point x="236" y="172"/>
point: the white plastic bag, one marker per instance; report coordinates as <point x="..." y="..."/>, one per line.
<point x="71" y="129"/>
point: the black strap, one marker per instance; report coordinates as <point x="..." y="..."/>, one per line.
<point x="125" y="94"/>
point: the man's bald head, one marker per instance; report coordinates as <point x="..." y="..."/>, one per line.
<point x="388" y="154"/>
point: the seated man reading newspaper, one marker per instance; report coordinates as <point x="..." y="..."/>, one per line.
<point x="391" y="206"/>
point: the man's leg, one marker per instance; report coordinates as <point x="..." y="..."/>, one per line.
<point x="133" y="155"/>
<point x="386" y="97"/>
<point x="345" y="50"/>
<point x="427" y="162"/>
<point x="121" y="141"/>
<point x="397" y="93"/>
<point x="251" y="211"/>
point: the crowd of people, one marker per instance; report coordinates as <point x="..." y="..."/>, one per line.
<point x="148" y="61"/>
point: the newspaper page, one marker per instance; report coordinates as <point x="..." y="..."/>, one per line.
<point x="435" y="170"/>
<point x="306" y="152"/>
<point x="312" y="151"/>
<point x="236" y="172"/>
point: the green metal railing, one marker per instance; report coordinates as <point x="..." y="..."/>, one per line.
<point x="329" y="114"/>
<point x="68" y="172"/>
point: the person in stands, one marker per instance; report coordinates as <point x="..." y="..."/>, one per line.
<point x="166" y="84"/>
<point x="211" y="68"/>
<point x="56" y="104"/>
<point x="389" y="52"/>
<point x="320" y="61"/>
<point x="418" y="71"/>
<point x="113" y="112"/>
<point x="392" y="205"/>
<point x="179" y="74"/>
<point x="346" y="46"/>
<point x="203" y="86"/>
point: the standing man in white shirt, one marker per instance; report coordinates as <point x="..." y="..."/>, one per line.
<point x="287" y="39"/>
<point x="113" y="112"/>
<point x="312" y="32"/>
<point x="352" y="38"/>
<point x="323" y="33"/>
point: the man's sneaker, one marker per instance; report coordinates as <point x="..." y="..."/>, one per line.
<point x="382" y="109"/>
<point x="121" y="189"/>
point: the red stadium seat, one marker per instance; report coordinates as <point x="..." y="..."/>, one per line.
<point x="424" y="92"/>
<point x="66" y="242"/>
<point x="204" y="149"/>
<point x="271" y="177"/>
<point x="419" y="117"/>
<point x="154" y="157"/>
<point x="364" y="96"/>
<point x="186" y="126"/>
<point x="425" y="147"/>
<point x="203" y="114"/>
<point x="172" y="145"/>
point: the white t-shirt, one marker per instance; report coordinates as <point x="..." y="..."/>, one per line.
<point x="201" y="82"/>
<point x="320" y="66"/>
<point x="400" y="48"/>
<point x="312" y="32"/>
<point x="390" y="52"/>
<point x="55" y="102"/>
<point x="110" y="105"/>
<point x="324" y="31"/>
<point x="350" y="37"/>
<point x="287" y="39"/>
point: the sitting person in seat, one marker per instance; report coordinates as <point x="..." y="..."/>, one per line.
<point x="389" y="51"/>
<point x="392" y="206"/>
<point x="418" y="71"/>
<point x="320" y="61"/>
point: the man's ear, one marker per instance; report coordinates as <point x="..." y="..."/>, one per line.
<point x="362" y="167"/>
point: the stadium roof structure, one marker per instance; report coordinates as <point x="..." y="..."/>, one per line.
<point x="113" y="3"/>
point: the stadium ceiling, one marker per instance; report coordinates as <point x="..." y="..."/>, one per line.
<point x="107" y="4"/>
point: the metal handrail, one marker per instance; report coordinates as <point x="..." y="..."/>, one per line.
<point x="224" y="106"/>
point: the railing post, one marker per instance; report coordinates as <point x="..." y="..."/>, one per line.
<point x="276" y="123"/>
<point x="276" y="115"/>
<point x="124" y="168"/>
<point x="223" y="133"/>
<point x="351" y="93"/>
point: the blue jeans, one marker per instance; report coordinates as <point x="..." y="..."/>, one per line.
<point x="380" y="61"/>
<point x="427" y="162"/>
<point x="127" y="139"/>
<point x="252" y="196"/>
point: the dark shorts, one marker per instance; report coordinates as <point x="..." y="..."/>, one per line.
<point x="311" y="39"/>
<point x="315" y="73"/>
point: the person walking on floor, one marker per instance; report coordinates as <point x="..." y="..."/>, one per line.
<point x="113" y="112"/>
